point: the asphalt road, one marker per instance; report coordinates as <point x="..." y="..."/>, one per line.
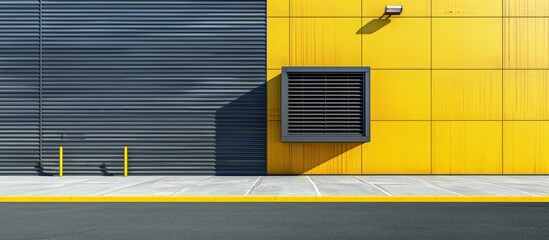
<point x="273" y="221"/>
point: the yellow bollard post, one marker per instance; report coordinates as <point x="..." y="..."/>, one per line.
<point x="125" y="161"/>
<point x="60" y="161"/>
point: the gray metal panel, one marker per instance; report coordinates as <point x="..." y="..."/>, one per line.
<point x="19" y="86"/>
<point x="181" y="83"/>
<point x="325" y="104"/>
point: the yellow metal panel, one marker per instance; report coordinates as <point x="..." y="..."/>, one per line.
<point x="384" y="47"/>
<point x="526" y="94"/>
<point x="467" y="147"/>
<point x="526" y="148"/>
<point x="467" y="8"/>
<point x="398" y="147"/>
<point x="472" y="43"/>
<point x="297" y="163"/>
<point x="526" y="7"/>
<point x="375" y="8"/>
<point x="458" y="43"/>
<point x="273" y="94"/>
<point x="526" y="43"/>
<point x="351" y="159"/>
<point x="322" y="158"/>
<point x="278" y="153"/>
<point x="325" y="8"/>
<point x="278" y="42"/>
<point x="278" y="8"/>
<point x="467" y="95"/>
<point x="401" y="95"/>
<point x="325" y="42"/>
<point x="325" y="158"/>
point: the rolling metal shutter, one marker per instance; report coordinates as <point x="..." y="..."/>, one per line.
<point x="323" y="104"/>
<point x="19" y="86"/>
<point x="181" y="83"/>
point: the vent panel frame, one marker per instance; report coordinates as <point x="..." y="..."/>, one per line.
<point x="353" y="124"/>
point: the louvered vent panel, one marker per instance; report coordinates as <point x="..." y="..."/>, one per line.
<point x="326" y="105"/>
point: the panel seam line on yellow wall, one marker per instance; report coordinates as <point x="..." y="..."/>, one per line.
<point x="361" y="39"/>
<point x="289" y="59"/>
<point x="431" y="80"/>
<point x="502" y="84"/>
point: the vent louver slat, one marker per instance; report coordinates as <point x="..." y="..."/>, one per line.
<point x="325" y="104"/>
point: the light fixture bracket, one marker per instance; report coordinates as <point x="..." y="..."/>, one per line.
<point x="391" y="10"/>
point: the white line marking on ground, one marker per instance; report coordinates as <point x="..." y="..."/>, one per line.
<point x="252" y="187"/>
<point x="536" y="181"/>
<point x="441" y="187"/>
<point x="196" y="184"/>
<point x="314" y="185"/>
<point x="373" y="185"/>
<point x="130" y="186"/>
<point x="495" y="185"/>
<point x="65" y="184"/>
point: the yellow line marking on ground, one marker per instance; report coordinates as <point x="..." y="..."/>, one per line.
<point x="543" y="199"/>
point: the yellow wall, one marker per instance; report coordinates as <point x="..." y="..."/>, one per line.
<point x="458" y="87"/>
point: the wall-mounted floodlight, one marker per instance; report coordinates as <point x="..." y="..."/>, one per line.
<point x="392" y="10"/>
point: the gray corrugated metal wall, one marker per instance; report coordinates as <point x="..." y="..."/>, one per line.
<point x="19" y="86"/>
<point x="181" y="83"/>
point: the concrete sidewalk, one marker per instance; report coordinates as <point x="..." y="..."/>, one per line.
<point x="275" y="186"/>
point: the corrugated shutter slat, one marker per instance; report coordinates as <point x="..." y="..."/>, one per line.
<point x="181" y="83"/>
<point x="19" y="86"/>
